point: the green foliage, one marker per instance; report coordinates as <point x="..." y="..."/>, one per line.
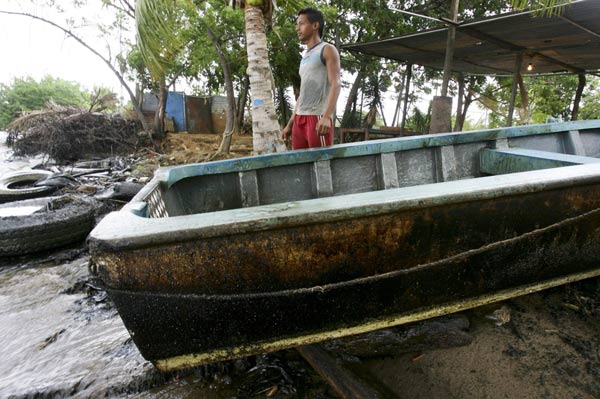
<point x="161" y="26"/>
<point x="542" y="7"/>
<point x="26" y="94"/>
<point x="551" y="96"/>
<point x="419" y="121"/>
<point x="227" y="25"/>
<point x="590" y="106"/>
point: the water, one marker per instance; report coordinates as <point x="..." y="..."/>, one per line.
<point x="58" y="338"/>
<point x="61" y="337"/>
<point x="56" y="344"/>
<point x="9" y="164"/>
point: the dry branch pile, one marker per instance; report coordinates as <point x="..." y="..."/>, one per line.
<point x="69" y="134"/>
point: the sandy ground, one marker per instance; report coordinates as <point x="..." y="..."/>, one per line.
<point x="550" y="348"/>
<point x="189" y="148"/>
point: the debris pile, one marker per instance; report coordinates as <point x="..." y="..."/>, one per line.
<point x="69" y="134"/>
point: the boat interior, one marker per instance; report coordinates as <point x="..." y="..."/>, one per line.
<point x="365" y="167"/>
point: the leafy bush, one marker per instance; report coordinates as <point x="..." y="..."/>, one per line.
<point x="26" y="94"/>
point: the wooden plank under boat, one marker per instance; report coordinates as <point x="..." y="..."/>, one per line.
<point x="226" y="259"/>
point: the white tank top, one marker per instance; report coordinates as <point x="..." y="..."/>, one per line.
<point x="314" y="85"/>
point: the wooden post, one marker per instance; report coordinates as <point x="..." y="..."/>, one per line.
<point x="344" y="383"/>
<point x="449" y="48"/>
<point x="441" y="107"/>
<point x="406" y="93"/>
<point x="513" y="90"/>
<point x="578" y="94"/>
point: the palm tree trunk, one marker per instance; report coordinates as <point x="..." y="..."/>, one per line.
<point x="265" y="127"/>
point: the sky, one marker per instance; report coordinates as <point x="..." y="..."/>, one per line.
<point x="32" y="48"/>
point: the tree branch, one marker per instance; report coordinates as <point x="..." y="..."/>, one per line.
<point x="90" y="48"/>
<point x="124" y="7"/>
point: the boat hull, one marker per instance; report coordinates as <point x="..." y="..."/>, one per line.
<point x="227" y="259"/>
<point x="176" y="331"/>
<point x="372" y="270"/>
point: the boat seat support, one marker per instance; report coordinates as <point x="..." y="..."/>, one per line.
<point x="446" y="164"/>
<point x="249" y="188"/>
<point x="573" y="143"/>
<point x="388" y="171"/>
<point x="498" y="162"/>
<point x="323" y="180"/>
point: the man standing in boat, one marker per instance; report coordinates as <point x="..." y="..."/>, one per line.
<point x="312" y="125"/>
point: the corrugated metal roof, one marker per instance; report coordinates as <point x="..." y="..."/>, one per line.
<point x="569" y="42"/>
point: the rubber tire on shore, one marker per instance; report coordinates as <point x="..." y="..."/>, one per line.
<point x="9" y="193"/>
<point x="126" y="190"/>
<point x="64" y="220"/>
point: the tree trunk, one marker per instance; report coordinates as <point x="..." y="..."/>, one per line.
<point x="159" y="116"/>
<point x="352" y="98"/>
<point x="458" y="124"/>
<point x="578" y="93"/>
<point x="230" y="112"/>
<point x="241" y="105"/>
<point x="265" y="127"/>
<point x="399" y="102"/>
<point x="406" y="93"/>
<point x="282" y="105"/>
<point x="382" y="115"/>
<point x="468" y="101"/>
<point x="524" y="101"/>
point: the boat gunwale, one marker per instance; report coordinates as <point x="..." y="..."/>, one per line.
<point x="171" y="175"/>
<point x="121" y="230"/>
<point x="166" y="177"/>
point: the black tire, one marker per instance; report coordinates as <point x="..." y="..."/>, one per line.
<point x="63" y="220"/>
<point x="126" y="190"/>
<point x="19" y="186"/>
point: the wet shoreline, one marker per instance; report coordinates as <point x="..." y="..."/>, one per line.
<point x="61" y="337"/>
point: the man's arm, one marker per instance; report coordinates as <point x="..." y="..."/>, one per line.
<point x="332" y="62"/>
<point x="286" y="132"/>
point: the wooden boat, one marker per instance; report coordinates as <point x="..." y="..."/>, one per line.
<point x="226" y="259"/>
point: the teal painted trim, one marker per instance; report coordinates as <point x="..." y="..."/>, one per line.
<point x="174" y="174"/>
<point x="125" y="229"/>
<point x="498" y="162"/>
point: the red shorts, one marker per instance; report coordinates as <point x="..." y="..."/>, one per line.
<point x="304" y="133"/>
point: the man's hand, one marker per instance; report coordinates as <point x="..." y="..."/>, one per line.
<point x="286" y="133"/>
<point x="324" y="126"/>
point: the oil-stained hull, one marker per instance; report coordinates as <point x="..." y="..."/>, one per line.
<point x="217" y="285"/>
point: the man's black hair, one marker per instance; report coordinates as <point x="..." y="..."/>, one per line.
<point x="313" y="16"/>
